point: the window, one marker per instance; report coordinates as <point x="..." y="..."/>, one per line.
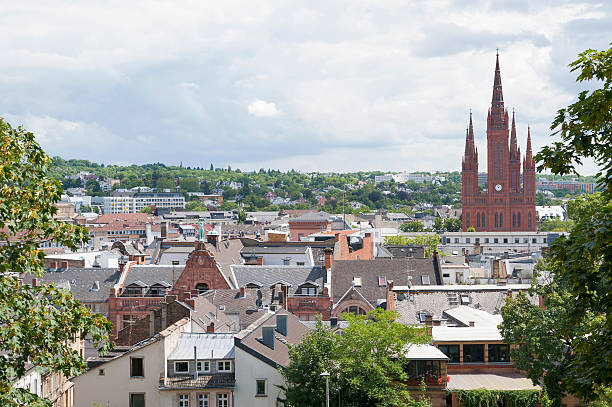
<point x="499" y="353"/>
<point x="477" y="240"/>
<point x="224" y="366"/>
<point x="452" y="351"/>
<point x="478" y="219"/>
<point x="183" y="400"/>
<point x="514" y="220"/>
<point x="501" y="220"/>
<point x="309" y="291"/>
<point x="222" y="400"/>
<point x="467" y="220"/>
<point x="353" y="309"/>
<point x="137" y="400"/>
<point x="534" y="240"/>
<point x="382" y="281"/>
<point x="529" y="220"/>
<point x="456" y="240"/>
<point x="181" y="367"/>
<point x="423" y="368"/>
<point x="425" y="280"/>
<point x="467" y="240"/>
<point x="299" y="263"/>
<point x="483" y="219"/>
<point x="495" y="240"/>
<point x="201" y="287"/>
<point x="136" y="367"/>
<point x="101" y="372"/>
<point x="260" y="387"/>
<point x="473" y="353"/>
<point x="202" y="400"/>
<point x="203" y="366"/>
<point x="496" y="220"/>
<point x="486" y="240"/>
<point x="357" y="281"/>
<point x="516" y="240"/>
<point x="505" y="240"/>
<point x="286" y="262"/>
<point x="422" y="317"/>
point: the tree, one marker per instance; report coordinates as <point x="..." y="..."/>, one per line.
<point x="452" y="225"/>
<point x="36" y="322"/>
<point x="362" y="363"/>
<point x="414" y="226"/>
<point x="93" y="185"/>
<point x="556" y="225"/>
<point x="571" y="346"/>
<point x="146" y="209"/>
<point x="242" y="215"/>
<point x="429" y="241"/>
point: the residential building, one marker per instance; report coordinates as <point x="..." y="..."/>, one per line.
<point x="133" y="202"/>
<point x="309" y="223"/>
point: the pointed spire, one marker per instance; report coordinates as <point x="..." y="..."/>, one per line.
<point x="469" y="139"/>
<point x="529" y="161"/>
<point x="498" y="115"/>
<point x="513" y="143"/>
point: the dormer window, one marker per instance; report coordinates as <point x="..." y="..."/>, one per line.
<point x="181" y="367"/>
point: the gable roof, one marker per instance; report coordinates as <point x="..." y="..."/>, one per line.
<point x="244" y="309"/>
<point x="80" y="282"/>
<point x="270" y="275"/>
<point x="401" y="271"/>
<point x="249" y="339"/>
<point x="149" y="275"/>
<point x="312" y="217"/>
<point x="208" y="346"/>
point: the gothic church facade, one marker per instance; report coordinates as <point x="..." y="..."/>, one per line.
<point x="507" y="204"/>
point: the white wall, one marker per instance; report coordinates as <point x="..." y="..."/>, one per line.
<point x="113" y="388"/>
<point x="249" y="369"/>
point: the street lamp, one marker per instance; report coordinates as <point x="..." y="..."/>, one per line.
<point x="326" y="375"/>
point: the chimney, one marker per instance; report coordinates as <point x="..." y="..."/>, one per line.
<point x="267" y="336"/>
<point x="281" y="324"/>
<point x="170" y="298"/>
<point x="242" y="291"/>
<point x="337" y="237"/>
<point x="390" y="296"/>
<point x="195" y="363"/>
<point x="64" y="265"/>
<point x="164" y="230"/>
<point x="122" y="263"/>
<point x="260" y="261"/>
<point x="34" y="282"/>
<point x="333" y="322"/>
<point x="328" y="258"/>
<point x="428" y="320"/>
<point x="472" y="323"/>
<point x="211" y="328"/>
<point x="190" y="302"/>
<point x="148" y="234"/>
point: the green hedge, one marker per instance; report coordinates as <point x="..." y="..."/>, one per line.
<point x="496" y="398"/>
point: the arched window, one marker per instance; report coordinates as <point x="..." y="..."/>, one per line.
<point x="496" y="220"/>
<point x="478" y="219"/>
<point x="482" y="217"/>
<point x="202" y="287"/>
<point x="529" y="220"/>
<point x="518" y="218"/>
<point x="356" y="310"/>
<point x="514" y="220"/>
<point x="467" y="220"/>
<point x="501" y="220"/>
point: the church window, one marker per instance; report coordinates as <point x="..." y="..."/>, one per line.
<point x="529" y="220"/>
<point x="501" y="220"/>
<point x="482" y="217"/>
<point x="478" y="219"/>
<point x="202" y="288"/>
<point x="496" y="220"/>
<point x="467" y="220"/>
<point x="518" y="219"/>
<point x="514" y="220"/>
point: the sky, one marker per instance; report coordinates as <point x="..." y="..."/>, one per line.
<point x="307" y="85"/>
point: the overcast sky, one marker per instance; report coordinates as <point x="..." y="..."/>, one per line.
<point x="313" y="85"/>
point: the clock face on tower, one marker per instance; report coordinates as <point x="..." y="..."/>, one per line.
<point x="498" y="187"/>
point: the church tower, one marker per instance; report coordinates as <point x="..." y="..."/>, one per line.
<point x="506" y="205"/>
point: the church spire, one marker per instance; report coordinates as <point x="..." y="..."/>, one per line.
<point x="498" y="115"/>
<point x="513" y="143"/>
<point x="529" y="161"/>
<point x="470" y="147"/>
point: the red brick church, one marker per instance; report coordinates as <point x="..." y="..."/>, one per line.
<point x="505" y="205"/>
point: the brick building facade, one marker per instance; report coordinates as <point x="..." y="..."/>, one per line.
<point x="506" y="205"/>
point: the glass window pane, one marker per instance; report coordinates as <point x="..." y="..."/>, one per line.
<point x="473" y="353"/>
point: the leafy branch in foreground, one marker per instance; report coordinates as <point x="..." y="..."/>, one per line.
<point x="38" y="324"/>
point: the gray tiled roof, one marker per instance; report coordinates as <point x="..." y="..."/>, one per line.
<point x="397" y="270"/>
<point x="81" y="280"/>
<point x="270" y="275"/>
<point x="436" y="302"/>
<point x="254" y="250"/>
<point x="312" y="217"/>
<point x="244" y="308"/>
<point x="153" y="274"/>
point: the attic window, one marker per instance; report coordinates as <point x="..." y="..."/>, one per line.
<point x="357" y="281"/>
<point x="382" y="281"/>
<point x="422" y="317"/>
<point x="425" y="280"/>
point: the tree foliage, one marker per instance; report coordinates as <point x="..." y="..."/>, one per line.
<point x="429" y="241"/>
<point x="414" y="226"/>
<point x="585" y="127"/>
<point x="568" y="342"/>
<point x="363" y="363"/>
<point x="556" y="225"/>
<point x="37" y="323"/>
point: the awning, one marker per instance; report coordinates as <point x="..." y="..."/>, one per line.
<point x="491" y="381"/>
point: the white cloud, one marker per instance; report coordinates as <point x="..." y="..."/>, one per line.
<point x="355" y="84"/>
<point x="260" y="108"/>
